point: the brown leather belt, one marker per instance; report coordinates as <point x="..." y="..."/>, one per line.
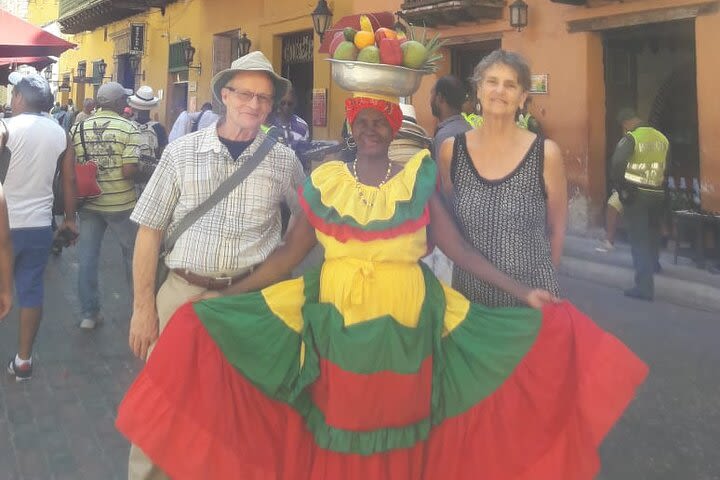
<point x="210" y="283"/>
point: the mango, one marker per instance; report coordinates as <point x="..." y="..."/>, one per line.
<point x="345" y="51"/>
<point x="349" y="33"/>
<point x="364" y="39"/>
<point x="369" y="54"/>
<point x="414" y="54"/>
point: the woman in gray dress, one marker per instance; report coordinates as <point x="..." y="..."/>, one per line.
<point x="506" y="186"/>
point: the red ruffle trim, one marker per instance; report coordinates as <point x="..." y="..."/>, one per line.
<point x="544" y="423"/>
<point x="343" y="233"/>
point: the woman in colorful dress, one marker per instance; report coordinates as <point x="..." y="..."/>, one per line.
<point x="368" y="367"/>
<point x="507" y="187"/>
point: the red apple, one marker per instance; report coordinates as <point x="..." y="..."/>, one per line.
<point x="338" y="38"/>
<point x="383" y="32"/>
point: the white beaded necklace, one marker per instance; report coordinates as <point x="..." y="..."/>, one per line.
<point x="358" y="184"/>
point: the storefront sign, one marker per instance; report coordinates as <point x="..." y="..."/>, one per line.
<point x="298" y="48"/>
<point x="319" y="107"/>
<point x="64" y="88"/>
<point x="137" y="37"/>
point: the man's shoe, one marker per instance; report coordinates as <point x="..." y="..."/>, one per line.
<point x="605" y="246"/>
<point x="22" y="373"/>
<point x="89" y="323"/>
<point x="636" y="293"/>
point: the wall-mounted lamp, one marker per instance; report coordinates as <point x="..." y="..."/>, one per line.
<point x="81" y="69"/>
<point x="243" y="44"/>
<point x="48" y="74"/>
<point x="101" y="67"/>
<point x="518" y="14"/>
<point x="321" y="17"/>
<point x="134" y="60"/>
<point x="189" y="52"/>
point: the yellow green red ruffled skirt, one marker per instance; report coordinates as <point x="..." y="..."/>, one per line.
<point x="235" y="389"/>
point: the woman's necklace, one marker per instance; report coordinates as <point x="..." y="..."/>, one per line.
<point x="358" y="184"/>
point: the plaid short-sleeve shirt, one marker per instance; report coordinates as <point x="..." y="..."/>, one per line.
<point x="243" y="228"/>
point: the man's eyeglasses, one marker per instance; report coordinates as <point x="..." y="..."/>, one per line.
<point x="246" y="96"/>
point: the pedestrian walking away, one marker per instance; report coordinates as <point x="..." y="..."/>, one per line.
<point x="188" y="122"/>
<point x="153" y="137"/>
<point x="28" y="187"/>
<point x="638" y="172"/>
<point x="368" y="367"/>
<point x="112" y="142"/>
<point x="224" y="247"/>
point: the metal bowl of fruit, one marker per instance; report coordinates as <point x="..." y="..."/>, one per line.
<point x="377" y="78"/>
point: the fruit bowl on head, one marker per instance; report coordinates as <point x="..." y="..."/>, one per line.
<point x="378" y="78"/>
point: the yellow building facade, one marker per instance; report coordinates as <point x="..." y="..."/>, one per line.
<point x="592" y="59"/>
<point x="281" y="29"/>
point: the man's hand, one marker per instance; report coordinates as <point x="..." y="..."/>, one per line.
<point x="6" y="298"/>
<point x="144" y="326"/>
<point x="70" y="226"/>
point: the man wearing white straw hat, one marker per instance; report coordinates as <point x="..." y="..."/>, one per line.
<point x="225" y="245"/>
<point x="153" y="135"/>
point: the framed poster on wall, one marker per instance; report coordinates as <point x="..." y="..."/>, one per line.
<point x="539" y="83"/>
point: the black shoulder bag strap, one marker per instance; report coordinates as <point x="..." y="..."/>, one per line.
<point x="221" y="192"/>
<point x="82" y="140"/>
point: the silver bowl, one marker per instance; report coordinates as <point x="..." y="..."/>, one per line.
<point x="378" y="78"/>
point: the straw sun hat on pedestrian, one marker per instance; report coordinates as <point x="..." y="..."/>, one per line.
<point x="252" y="62"/>
<point x="143" y="99"/>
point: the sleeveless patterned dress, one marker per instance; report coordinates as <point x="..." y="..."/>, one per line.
<point x="504" y="219"/>
<point x="368" y="368"/>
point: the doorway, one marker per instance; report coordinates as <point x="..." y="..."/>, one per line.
<point x="465" y="57"/>
<point x="125" y="74"/>
<point x="652" y="69"/>
<point x="297" y="66"/>
<point x="177" y="102"/>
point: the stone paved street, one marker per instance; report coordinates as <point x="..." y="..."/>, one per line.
<point x="60" y="425"/>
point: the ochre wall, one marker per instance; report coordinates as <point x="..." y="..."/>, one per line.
<point x="572" y="113"/>
<point x="707" y="39"/>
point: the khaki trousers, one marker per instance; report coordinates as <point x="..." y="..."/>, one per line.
<point x="172" y="294"/>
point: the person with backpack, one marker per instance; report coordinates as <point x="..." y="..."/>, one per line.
<point x="153" y="135"/>
<point x="192" y="122"/>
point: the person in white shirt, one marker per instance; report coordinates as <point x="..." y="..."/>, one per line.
<point x="192" y="122"/>
<point x="28" y="189"/>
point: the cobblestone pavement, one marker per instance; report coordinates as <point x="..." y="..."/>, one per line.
<point x="59" y="426"/>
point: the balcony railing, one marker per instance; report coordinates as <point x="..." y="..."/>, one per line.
<point x="80" y="15"/>
<point x="433" y="13"/>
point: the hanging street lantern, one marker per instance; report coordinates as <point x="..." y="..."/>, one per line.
<point x="189" y="52"/>
<point x="321" y="17"/>
<point x="101" y="66"/>
<point x="48" y="74"/>
<point x="518" y="14"/>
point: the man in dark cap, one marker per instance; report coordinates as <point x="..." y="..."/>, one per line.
<point x="113" y="142"/>
<point x="638" y="172"/>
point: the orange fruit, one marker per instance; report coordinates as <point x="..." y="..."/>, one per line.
<point x="364" y="39"/>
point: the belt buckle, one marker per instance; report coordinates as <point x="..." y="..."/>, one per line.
<point x="229" y="280"/>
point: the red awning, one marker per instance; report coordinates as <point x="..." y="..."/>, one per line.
<point x="377" y="19"/>
<point x="19" y="38"/>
